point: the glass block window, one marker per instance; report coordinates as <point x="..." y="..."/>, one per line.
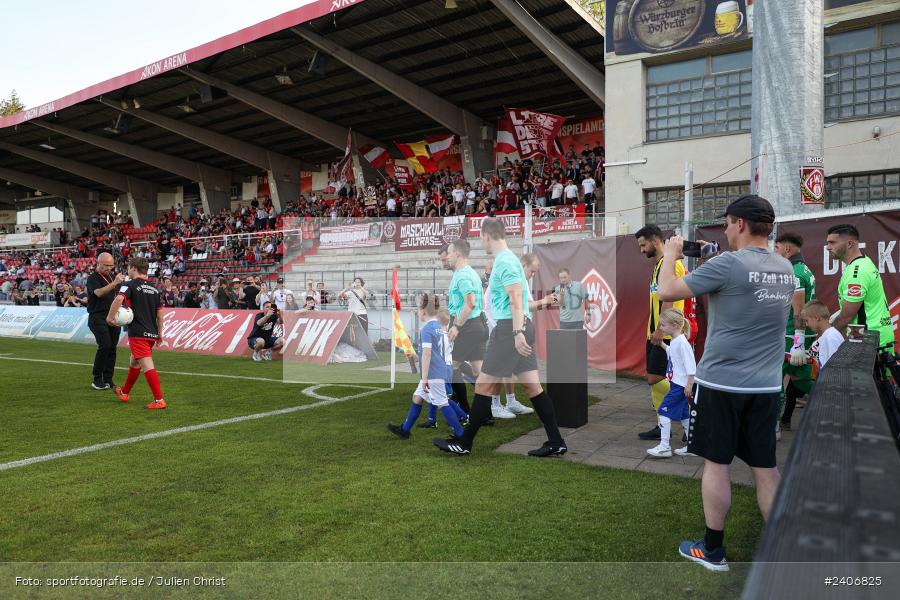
<point x="842" y="191"/>
<point x="699" y="97"/>
<point x="862" y="73"/>
<point x="665" y="208"/>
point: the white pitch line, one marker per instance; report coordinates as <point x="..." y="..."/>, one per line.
<point x="311" y="392"/>
<point x="217" y="375"/>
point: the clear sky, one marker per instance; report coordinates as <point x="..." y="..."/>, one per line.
<point x="51" y="48"/>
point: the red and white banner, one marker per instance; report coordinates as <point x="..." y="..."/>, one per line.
<point x="439" y="145"/>
<point x="376" y="155"/>
<point x="402" y="175"/>
<point x="511" y="218"/>
<point x="359" y="235"/>
<point x="505" y="142"/>
<point x="428" y="234"/>
<point x="41" y="238"/>
<point x="306" y="182"/>
<point x="535" y="132"/>
<point x="577" y="134"/>
<point x="563" y="219"/>
<point x="309" y="337"/>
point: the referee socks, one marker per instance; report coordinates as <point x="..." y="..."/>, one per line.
<point x="479" y="413"/>
<point x="543" y="406"/>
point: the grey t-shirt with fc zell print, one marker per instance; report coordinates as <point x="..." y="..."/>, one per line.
<point x="750" y="293"/>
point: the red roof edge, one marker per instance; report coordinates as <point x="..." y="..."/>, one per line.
<point x="304" y="14"/>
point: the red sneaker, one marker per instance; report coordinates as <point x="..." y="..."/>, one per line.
<point x="122" y="395"/>
<point x="156" y="405"/>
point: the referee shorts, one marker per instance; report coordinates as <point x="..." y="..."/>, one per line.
<point x="469" y="345"/>
<point x="501" y="359"/>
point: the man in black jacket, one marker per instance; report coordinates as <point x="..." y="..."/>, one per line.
<point x="101" y="287"/>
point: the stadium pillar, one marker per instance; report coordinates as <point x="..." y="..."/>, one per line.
<point x="575" y="66"/>
<point x="282" y="170"/>
<point x="215" y="184"/>
<point x="326" y="131"/>
<point x="141" y="193"/>
<point x="467" y="125"/>
<point x="787" y="135"/>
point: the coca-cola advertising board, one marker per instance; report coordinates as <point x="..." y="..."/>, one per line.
<point x="310" y="336"/>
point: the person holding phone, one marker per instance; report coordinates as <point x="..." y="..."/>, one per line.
<point x="262" y="339"/>
<point x="356" y="296"/>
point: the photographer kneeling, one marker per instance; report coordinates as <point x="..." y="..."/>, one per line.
<point x="262" y="340"/>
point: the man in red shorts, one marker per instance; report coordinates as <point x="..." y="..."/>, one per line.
<point x="144" y="331"/>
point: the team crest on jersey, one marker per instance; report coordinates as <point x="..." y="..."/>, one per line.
<point x="601" y="302"/>
<point x="854" y="290"/>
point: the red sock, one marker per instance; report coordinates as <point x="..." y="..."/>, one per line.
<point x="153" y="379"/>
<point x="133" y="374"/>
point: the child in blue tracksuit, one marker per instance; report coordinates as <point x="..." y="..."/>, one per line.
<point x="436" y="369"/>
<point x="680" y="371"/>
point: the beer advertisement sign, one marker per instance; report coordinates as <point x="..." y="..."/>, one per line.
<point x="657" y="26"/>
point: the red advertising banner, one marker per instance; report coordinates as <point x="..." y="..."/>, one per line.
<point x="358" y="235"/>
<point x="428" y="234"/>
<point x="310" y="336"/>
<point x="534" y="131"/>
<point x="563" y="219"/>
<point x="578" y="133"/>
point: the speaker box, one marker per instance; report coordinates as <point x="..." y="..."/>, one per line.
<point x="567" y="375"/>
<point x="318" y="64"/>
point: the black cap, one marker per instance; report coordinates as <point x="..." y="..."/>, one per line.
<point x="752" y="208"/>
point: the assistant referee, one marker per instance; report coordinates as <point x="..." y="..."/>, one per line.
<point x="101" y="287"/>
<point x="468" y="330"/>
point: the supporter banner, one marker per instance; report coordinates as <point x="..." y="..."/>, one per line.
<point x="41" y="238"/>
<point x="511" y="218"/>
<point x="879" y="234"/>
<point x="306" y="182"/>
<point x="402" y="175"/>
<point x="578" y="133"/>
<point x="656" y="26"/>
<point x="535" y="132"/>
<point x="563" y="219"/>
<point x="359" y="235"/>
<point x="428" y="234"/>
<point x="451" y="160"/>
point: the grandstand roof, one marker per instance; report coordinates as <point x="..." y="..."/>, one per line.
<point x="472" y="56"/>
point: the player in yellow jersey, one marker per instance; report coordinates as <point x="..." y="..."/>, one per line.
<point x="650" y="240"/>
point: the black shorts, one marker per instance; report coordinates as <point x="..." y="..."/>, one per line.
<point x="501" y="359"/>
<point x="657" y="360"/>
<point x="728" y="424"/>
<point x="469" y="344"/>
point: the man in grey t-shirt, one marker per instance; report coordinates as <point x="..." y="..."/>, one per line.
<point x="739" y="376"/>
<point x="572" y="298"/>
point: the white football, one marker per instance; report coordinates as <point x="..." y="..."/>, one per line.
<point x="124" y="316"/>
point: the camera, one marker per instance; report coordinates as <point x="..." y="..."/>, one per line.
<point x="698" y="250"/>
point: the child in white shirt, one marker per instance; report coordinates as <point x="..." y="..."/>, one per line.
<point x="817" y="317"/>
<point x="680" y="371"/>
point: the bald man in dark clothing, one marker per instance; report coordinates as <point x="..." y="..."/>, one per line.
<point x="101" y="287"/>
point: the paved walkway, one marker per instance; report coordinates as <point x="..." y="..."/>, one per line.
<point x="610" y="437"/>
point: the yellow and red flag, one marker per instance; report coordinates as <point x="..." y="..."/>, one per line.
<point x="417" y="155"/>
<point x="401" y="339"/>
